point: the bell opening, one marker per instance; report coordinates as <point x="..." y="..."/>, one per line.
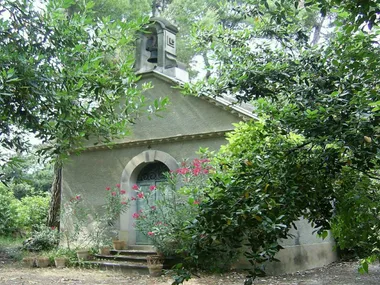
<point x="153" y="56"/>
<point x="151" y="45"/>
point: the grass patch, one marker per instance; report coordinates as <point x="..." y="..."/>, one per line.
<point x="11" y="247"/>
<point x="7" y="241"/>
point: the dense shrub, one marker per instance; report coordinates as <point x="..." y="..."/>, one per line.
<point x="21" y="190"/>
<point x="43" y="238"/>
<point x="33" y="211"/>
<point x="167" y="220"/>
<point x="356" y="224"/>
<point x="21" y="216"/>
<point x="8" y="211"/>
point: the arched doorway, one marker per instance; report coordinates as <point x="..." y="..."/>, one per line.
<point x="129" y="177"/>
<point x="151" y="174"/>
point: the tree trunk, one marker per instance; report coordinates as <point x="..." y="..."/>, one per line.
<point x="155" y="5"/>
<point x="207" y="64"/>
<point x="317" y="31"/>
<point x="55" y="200"/>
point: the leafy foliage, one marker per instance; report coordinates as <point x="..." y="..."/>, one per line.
<point x="32" y="211"/>
<point x="315" y="148"/>
<point x="63" y="77"/>
<point x="43" y="238"/>
<point x="21" y="216"/>
<point x="355" y="224"/>
<point x="8" y="211"/>
<point x="166" y="210"/>
<point x="82" y="225"/>
<point x="118" y="9"/>
<point x="262" y="186"/>
<point x="26" y="176"/>
<point x="67" y="78"/>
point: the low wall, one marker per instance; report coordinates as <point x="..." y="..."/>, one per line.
<point x="304" y="251"/>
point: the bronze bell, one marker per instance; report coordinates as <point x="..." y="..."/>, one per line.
<point x="151" y="45"/>
<point x="153" y="56"/>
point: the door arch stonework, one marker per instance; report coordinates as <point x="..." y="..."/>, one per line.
<point x="129" y="178"/>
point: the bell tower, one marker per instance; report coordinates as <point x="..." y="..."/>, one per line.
<point x="157" y="50"/>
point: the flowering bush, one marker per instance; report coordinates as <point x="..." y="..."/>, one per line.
<point x="77" y="216"/>
<point x="43" y="238"/>
<point x="117" y="203"/>
<point x="167" y="208"/>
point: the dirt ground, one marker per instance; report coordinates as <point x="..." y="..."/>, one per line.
<point x="344" y="273"/>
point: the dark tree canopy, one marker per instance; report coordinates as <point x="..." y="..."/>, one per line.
<point x="315" y="150"/>
<point x="65" y="76"/>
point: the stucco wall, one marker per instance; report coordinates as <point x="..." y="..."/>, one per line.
<point x="92" y="171"/>
<point x="184" y="114"/>
<point x="89" y="173"/>
<point x="303" y="251"/>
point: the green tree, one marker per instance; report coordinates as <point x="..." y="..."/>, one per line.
<point x="27" y="176"/>
<point x="327" y="95"/>
<point x="130" y="10"/>
<point x="8" y="211"/>
<point x="66" y="78"/>
<point x="190" y="15"/>
<point x="32" y="212"/>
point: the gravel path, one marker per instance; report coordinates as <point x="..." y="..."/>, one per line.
<point x="344" y="273"/>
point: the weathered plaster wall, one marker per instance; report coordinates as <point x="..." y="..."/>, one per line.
<point x="185" y="114"/>
<point x="95" y="170"/>
<point x="304" y="251"/>
<point x="89" y="173"/>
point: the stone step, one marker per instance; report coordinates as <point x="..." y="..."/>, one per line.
<point x="135" y="268"/>
<point x="133" y="252"/>
<point x="142" y="247"/>
<point x="131" y="260"/>
<point x="138" y="258"/>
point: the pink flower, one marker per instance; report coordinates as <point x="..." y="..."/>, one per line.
<point x="183" y="170"/>
<point x="140" y="195"/>
<point x="136" y="216"/>
<point x="150" y="234"/>
<point x="135" y="187"/>
<point x="123" y="202"/>
<point x="113" y="193"/>
<point x="118" y="185"/>
<point x="152" y="187"/>
<point x="196" y="162"/>
<point x="196" y="202"/>
<point x="122" y="192"/>
<point x="53" y="228"/>
<point x="133" y="198"/>
<point x="205" y="171"/>
<point x="78" y="197"/>
<point x="153" y="208"/>
<point x="196" y="171"/>
<point x="140" y="211"/>
<point x="108" y="188"/>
